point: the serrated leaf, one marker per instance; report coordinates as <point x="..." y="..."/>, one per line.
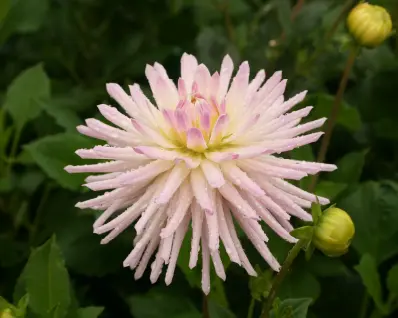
<point x="367" y="269"/>
<point x="330" y="189"/>
<point x="63" y="116"/>
<point x="89" y="312"/>
<point x="24" y="93"/>
<point x="53" y="153"/>
<point x="348" y="116"/>
<point x="47" y="281"/>
<point x="373" y="208"/>
<point x="303" y="233"/>
<point x="392" y="280"/>
<point x="350" y="168"/>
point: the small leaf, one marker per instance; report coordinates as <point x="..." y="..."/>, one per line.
<point x="303" y="233"/>
<point x="367" y="269"/>
<point x="47" y="281"/>
<point x="316" y="212"/>
<point x="297" y="307"/>
<point x="22" y="305"/>
<point x="260" y="285"/>
<point x="24" y="93"/>
<point x="53" y="153"/>
<point x="392" y="280"/>
<point x="89" y="312"/>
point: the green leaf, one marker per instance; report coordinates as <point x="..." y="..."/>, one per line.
<point x="24" y="93"/>
<point x="367" y="269"/>
<point x="303" y="153"/>
<point x="348" y="116"/>
<point x="89" y="312"/>
<point x="392" y="280"/>
<point x="4" y="8"/>
<point x="4" y="304"/>
<point x="63" y="116"/>
<point x="303" y="233"/>
<point x="24" y="16"/>
<point x="297" y="307"/>
<point x="323" y="266"/>
<point x="161" y="304"/>
<point x="218" y="311"/>
<point x="373" y="208"/>
<point x="349" y="168"/>
<point x="329" y="189"/>
<point x="79" y="245"/>
<point x="300" y="283"/>
<point x="260" y="285"/>
<point x="53" y="153"/>
<point x="47" y="281"/>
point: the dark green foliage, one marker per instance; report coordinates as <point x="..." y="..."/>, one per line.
<point x="56" y="57"/>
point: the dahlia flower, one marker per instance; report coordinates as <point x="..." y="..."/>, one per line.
<point x="203" y="153"/>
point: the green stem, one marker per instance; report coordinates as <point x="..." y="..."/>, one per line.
<point x="39" y="213"/>
<point x="205" y="307"/>
<point x="280" y="277"/>
<point x="334" y="114"/>
<point x="251" y="308"/>
<point x="14" y="148"/>
<point x="364" y="305"/>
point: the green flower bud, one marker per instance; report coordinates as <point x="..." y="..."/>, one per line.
<point x="334" y="232"/>
<point x="369" y="24"/>
<point x="6" y="314"/>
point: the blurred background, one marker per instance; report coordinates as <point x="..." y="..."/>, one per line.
<point x="56" y="57"/>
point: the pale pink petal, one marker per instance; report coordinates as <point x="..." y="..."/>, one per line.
<point x="178" y="238"/>
<point x="219" y="129"/>
<point x="213" y="173"/>
<point x="205" y="264"/>
<point x="197" y="221"/>
<point x="195" y="140"/>
<point x="175" y="179"/>
<point x="184" y="197"/>
<point x="227" y="67"/>
<point x="229" y="192"/>
<point x="188" y="69"/>
<point x="240" y="178"/>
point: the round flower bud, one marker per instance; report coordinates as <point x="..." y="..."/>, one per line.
<point x="369" y="24"/>
<point x="6" y="314"/>
<point x="334" y="232"/>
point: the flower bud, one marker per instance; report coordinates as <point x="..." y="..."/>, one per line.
<point x="369" y="24"/>
<point x="334" y="232"/>
<point x="6" y="314"/>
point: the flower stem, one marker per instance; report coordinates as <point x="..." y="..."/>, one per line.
<point x="251" y="308"/>
<point x="14" y="148"/>
<point x="280" y="277"/>
<point x="364" y="306"/>
<point x="205" y="307"/>
<point x="334" y="114"/>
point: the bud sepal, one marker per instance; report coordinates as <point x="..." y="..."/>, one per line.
<point x="331" y="232"/>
